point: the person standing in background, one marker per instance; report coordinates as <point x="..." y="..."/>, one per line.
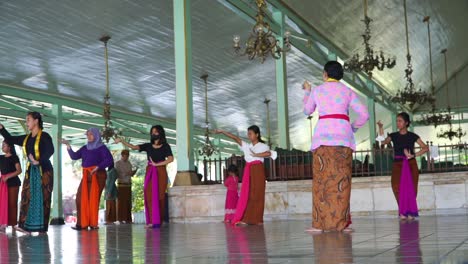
<point x="10" y="168"/>
<point x="110" y="195"/>
<point x="125" y="173"/>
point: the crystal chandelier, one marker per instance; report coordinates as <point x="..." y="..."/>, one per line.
<point x="371" y="59"/>
<point x="450" y="133"/>
<point x="409" y="95"/>
<point x="207" y="149"/>
<point x="262" y="43"/>
<point x="434" y="118"/>
<point x="108" y="131"/>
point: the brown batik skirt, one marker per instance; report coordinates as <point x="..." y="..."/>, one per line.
<point x="47" y="187"/>
<point x="124" y="202"/>
<point x="331" y="187"/>
<point x="13" y="205"/>
<point x="255" y="205"/>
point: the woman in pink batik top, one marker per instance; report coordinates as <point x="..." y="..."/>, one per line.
<point x="332" y="146"/>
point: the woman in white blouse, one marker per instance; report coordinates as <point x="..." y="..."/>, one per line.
<point x="251" y="202"/>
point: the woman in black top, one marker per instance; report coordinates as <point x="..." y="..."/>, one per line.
<point x="10" y="168"/>
<point x="159" y="154"/>
<point x="38" y="181"/>
<point x="404" y="164"/>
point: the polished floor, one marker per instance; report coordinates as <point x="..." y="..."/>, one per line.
<point x="432" y="239"/>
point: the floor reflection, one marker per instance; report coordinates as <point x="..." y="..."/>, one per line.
<point x="34" y="249"/>
<point x="88" y="242"/>
<point x="333" y="247"/>
<point x="409" y="250"/>
<point x="246" y="245"/>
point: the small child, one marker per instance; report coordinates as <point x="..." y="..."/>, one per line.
<point x="231" y="183"/>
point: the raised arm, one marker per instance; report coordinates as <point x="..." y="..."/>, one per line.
<point x="120" y="140"/>
<point x="73" y="155"/>
<point x="361" y="111"/>
<point x="382" y="134"/>
<point x="308" y="100"/>
<point x="237" y="139"/>
<point x="16" y="140"/>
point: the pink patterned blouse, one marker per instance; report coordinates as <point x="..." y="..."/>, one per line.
<point x="334" y="98"/>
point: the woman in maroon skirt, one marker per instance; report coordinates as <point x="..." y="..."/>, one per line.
<point x="251" y="202"/>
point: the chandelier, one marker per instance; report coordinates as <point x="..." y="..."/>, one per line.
<point x="262" y="43"/>
<point x="409" y="95"/>
<point x="108" y="131"/>
<point x="207" y="149"/>
<point x="434" y="118"/>
<point x="371" y="59"/>
<point x="450" y="133"/>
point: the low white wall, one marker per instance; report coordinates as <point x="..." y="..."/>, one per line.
<point x="293" y="199"/>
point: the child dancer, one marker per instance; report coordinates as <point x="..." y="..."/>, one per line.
<point x="232" y="195"/>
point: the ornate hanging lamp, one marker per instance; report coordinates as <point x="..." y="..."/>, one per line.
<point x="450" y="134"/>
<point x="207" y="149"/>
<point x="108" y="131"/>
<point x="409" y="95"/>
<point x="262" y="43"/>
<point x="434" y="118"/>
<point x="371" y="59"/>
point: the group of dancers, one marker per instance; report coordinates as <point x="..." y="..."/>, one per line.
<point x="332" y="146"/>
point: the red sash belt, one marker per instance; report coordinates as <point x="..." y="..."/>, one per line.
<point x="335" y="116"/>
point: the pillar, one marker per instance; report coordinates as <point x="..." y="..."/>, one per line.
<point x="372" y="122"/>
<point x="184" y="116"/>
<point x="411" y="118"/>
<point x="282" y="88"/>
<point x="394" y="125"/>
<point x="57" y="205"/>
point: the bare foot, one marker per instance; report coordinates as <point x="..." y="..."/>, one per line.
<point x="148" y="226"/>
<point x="241" y="224"/>
<point x="402" y="217"/>
<point x="348" y="230"/>
<point x="314" y="230"/>
<point x="19" y="229"/>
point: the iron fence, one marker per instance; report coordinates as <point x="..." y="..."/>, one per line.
<point x="298" y="165"/>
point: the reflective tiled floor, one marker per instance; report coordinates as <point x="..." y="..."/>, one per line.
<point x="432" y="239"/>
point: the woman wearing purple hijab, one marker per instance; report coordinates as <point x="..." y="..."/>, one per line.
<point x="96" y="157"/>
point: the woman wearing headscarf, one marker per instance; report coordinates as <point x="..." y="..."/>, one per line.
<point x="39" y="178"/>
<point x="159" y="154"/>
<point x="95" y="157"/>
<point x="332" y="146"/>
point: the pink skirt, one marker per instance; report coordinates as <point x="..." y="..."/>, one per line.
<point x="231" y="203"/>
<point x="3" y="203"/>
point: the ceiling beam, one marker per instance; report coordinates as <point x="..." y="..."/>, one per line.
<point x="314" y="53"/>
<point x="315" y="35"/>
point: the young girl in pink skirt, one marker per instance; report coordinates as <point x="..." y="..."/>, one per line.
<point x="232" y="195"/>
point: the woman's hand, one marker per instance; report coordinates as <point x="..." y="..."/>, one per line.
<point x="306" y="86"/>
<point x="380" y="124"/>
<point x="33" y="160"/>
<point x="1" y="126"/>
<point x="153" y="163"/>
<point x="117" y="140"/>
<point x="4" y="178"/>
<point x="408" y="154"/>
<point x="94" y="170"/>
